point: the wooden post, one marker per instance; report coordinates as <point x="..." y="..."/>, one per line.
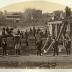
<point x="55" y="30"/>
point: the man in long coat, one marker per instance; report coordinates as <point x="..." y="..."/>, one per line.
<point x="55" y="47"/>
<point x="39" y="46"/>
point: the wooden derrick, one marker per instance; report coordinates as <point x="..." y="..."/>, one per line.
<point x="62" y="30"/>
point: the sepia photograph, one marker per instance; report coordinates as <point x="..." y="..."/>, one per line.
<point x="35" y="34"/>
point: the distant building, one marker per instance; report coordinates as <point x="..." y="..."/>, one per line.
<point x="32" y="16"/>
<point x="12" y="19"/>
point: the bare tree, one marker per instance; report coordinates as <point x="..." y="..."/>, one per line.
<point x="68" y="11"/>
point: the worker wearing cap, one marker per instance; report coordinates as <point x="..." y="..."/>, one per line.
<point x="55" y="47"/>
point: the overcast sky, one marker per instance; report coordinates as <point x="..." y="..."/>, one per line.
<point x="4" y="3"/>
<point x="14" y="5"/>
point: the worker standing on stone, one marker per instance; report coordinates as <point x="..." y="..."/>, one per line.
<point x="17" y="48"/>
<point x="26" y="38"/>
<point x="55" y="47"/>
<point x="4" y="46"/>
<point x="68" y="47"/>
<point x="39" y="46"/>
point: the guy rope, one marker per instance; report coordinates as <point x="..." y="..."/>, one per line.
<point x="57" y="38"/>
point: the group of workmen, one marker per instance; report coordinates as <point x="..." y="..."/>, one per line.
<point x="67" y="46"/>
<point x="55" y="47"/>
<point x="7" y="32"/>
<point x="38" y="42"/>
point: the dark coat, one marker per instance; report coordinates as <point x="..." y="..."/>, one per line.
<point x="68" y="45"/>
<point x="55" y="46"/>
<point x="39" y="44"/>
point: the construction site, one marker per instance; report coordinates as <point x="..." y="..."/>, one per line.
<point x="55" y="51"/>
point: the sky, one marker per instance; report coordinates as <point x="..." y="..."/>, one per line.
<point x="4" y="4"/>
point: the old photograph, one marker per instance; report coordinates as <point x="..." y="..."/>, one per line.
<point x="35" y="35"/>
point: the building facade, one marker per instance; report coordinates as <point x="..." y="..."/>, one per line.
<point x="12" y="19"/>
<point x="33" y="17"/>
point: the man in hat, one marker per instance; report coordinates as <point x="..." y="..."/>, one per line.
<point x="55" y="47"/>
<point x="68" y="47"/>
<point x="39" y="46"/>
<point x="4" y="45"/>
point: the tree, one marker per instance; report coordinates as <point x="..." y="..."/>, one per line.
<point x="68" y="11"/>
